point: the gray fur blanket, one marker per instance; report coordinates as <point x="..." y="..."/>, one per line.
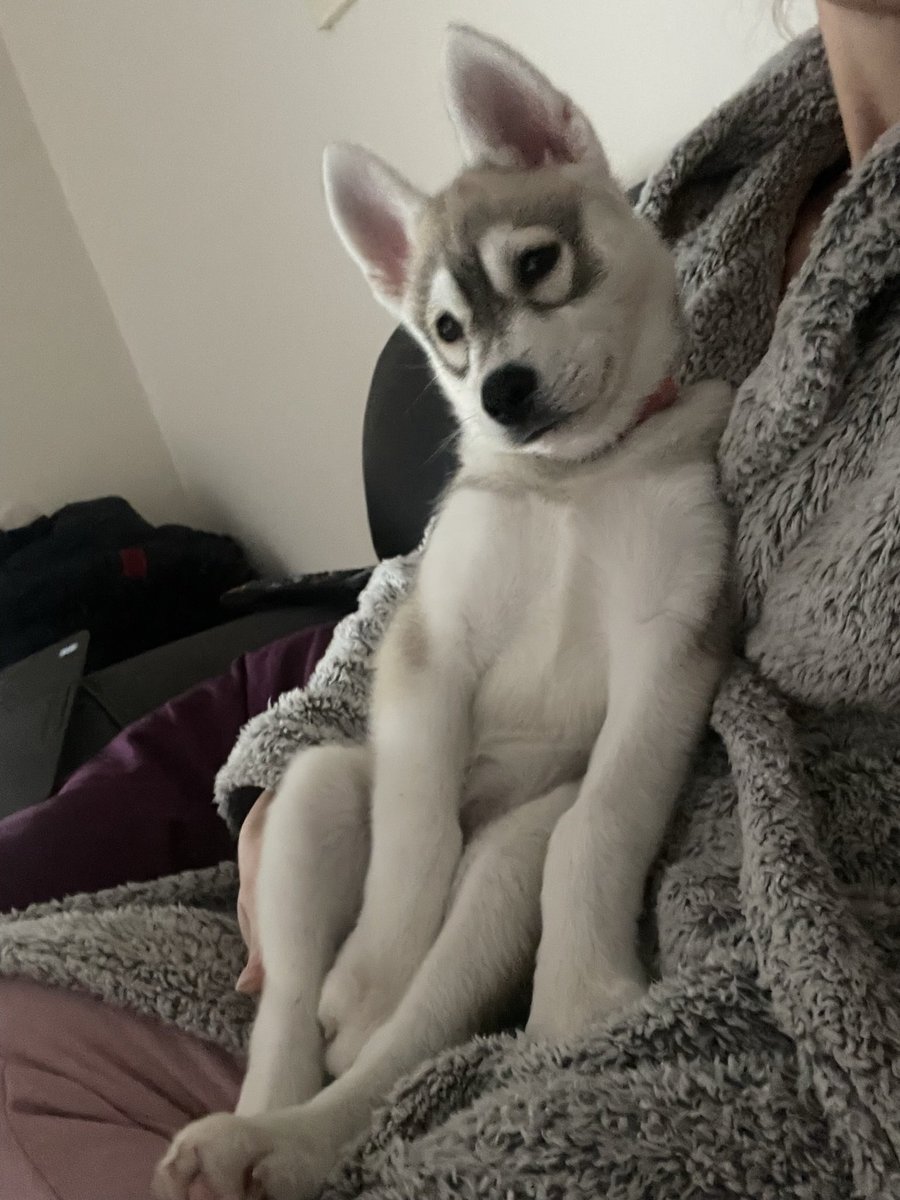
<point x="765" y="1062"/>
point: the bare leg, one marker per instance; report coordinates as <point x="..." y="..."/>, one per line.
<point x="482" y="955"/>
<point x="314" y="855"/>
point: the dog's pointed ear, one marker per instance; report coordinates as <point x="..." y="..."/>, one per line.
<point x="374" y="210"/>
<point x="506" y="112"/>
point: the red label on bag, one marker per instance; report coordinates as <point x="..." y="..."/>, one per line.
<point x="134" y="563"/>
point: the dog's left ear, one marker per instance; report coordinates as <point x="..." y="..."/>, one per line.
<point x="374" y="210"/>
<point x="507" y="113"/>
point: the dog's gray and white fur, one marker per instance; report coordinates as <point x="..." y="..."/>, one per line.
<point x="538" y="696"/>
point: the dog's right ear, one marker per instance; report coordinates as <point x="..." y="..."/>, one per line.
<point x="374" y="210"/>
<point x="508" y="113"/>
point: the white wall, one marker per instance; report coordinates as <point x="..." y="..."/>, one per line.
<point x="187" y="136"/>
<point x="74" y="421"/>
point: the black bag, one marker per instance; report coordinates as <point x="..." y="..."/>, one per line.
<point x="98" y="565"/>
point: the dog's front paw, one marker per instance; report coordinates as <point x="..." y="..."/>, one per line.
<point x="224" y="1157"/>
<point x="359" y="994"/>
<point x="217" y="1154"/>
<point x="565" y="1008"/>
<point x="587" y="965"/>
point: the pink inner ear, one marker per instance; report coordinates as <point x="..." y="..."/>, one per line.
<point x="380" y="234"/>
<point x="510" y="115"/>
<point x="391" y="252"/>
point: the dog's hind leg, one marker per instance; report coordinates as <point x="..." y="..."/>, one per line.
<point x="314" y="855"/>
<point x="484" y="949"/>
<point x="482" y="956"/>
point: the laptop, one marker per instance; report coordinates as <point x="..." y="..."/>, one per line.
<point x="36" y="696"/>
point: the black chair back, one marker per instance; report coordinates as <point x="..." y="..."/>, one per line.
<point x="408" y="436"/>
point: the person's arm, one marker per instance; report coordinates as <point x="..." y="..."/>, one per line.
<point x="250" y="979"/>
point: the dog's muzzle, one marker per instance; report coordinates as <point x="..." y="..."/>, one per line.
<point x="512" y="397"/>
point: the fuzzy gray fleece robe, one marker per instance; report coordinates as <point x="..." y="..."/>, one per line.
<point x="765" y="1062"/>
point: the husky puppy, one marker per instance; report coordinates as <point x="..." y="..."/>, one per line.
<point x="538" y="695"/>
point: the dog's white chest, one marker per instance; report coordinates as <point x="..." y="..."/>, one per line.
<point x="544" y="672"/>
<point x="521" y="586"/>
<point x="534" y="585"/>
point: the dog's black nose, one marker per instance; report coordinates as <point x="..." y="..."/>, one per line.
<point x="507" y="394"/>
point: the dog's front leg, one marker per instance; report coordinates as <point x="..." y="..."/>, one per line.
<point x="660" y="688"/>
<point x="420" y="738"/>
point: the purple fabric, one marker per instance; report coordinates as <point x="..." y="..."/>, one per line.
<point x="142" y="808"/>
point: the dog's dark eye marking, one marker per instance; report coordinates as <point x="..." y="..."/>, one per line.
<point x="536" y="264"/>
<point x="448" y="328"/>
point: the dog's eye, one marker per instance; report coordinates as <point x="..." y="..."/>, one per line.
<point x="536" y="264"/>
<point x="448" y="328"/>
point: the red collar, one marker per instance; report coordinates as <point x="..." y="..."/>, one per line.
<point x="664" y="397"/>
